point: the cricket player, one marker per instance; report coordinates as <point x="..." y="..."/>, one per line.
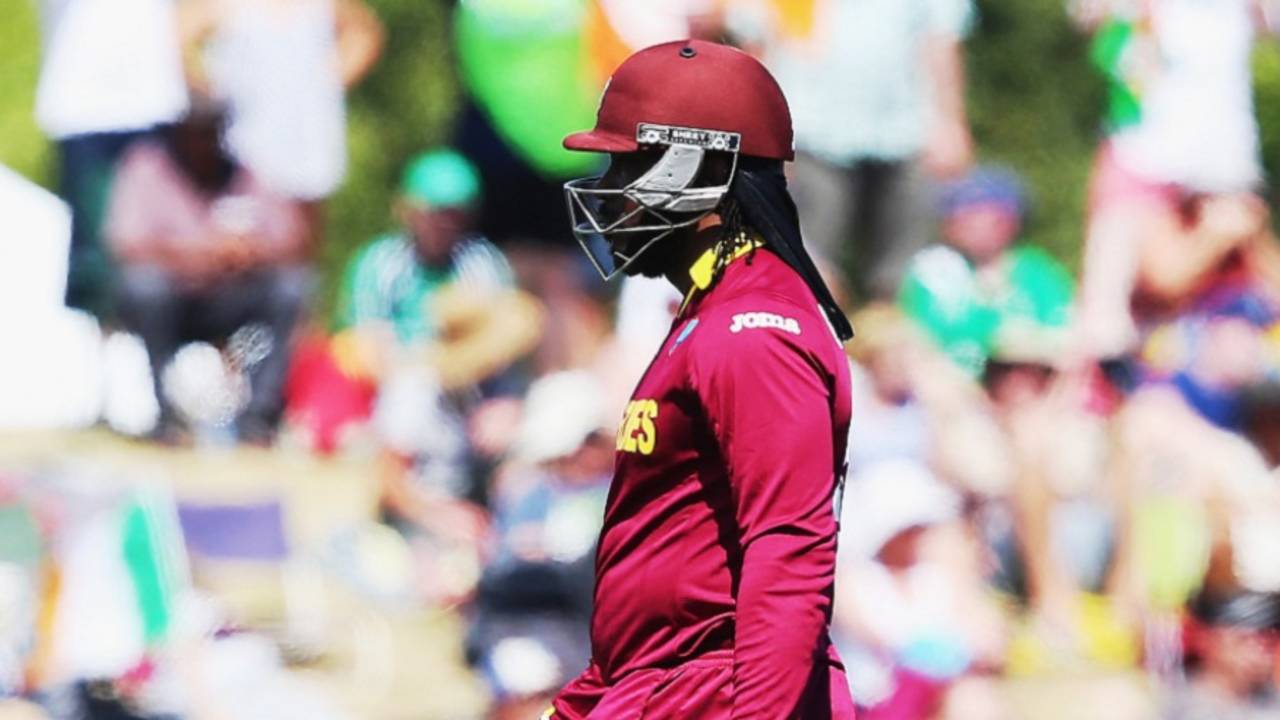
<point x="715" y="566"/>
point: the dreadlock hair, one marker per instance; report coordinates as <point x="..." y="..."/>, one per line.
<point x="758" y="207"/>
<point x="735" y="234"/>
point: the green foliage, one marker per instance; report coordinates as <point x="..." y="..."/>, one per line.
<point x="1036" y="105"/>
<point x="1266" y="98"/>
<point x="22" y="147"/>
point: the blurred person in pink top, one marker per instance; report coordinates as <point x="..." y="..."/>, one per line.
<point x="283" y="67"/>
<point x="205" y="250"/>
<point x="110" y="76"/>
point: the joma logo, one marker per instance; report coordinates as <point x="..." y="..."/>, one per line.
<point x="754" y="320"/>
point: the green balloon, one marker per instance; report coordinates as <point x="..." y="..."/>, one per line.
<point x="523" y="61"/>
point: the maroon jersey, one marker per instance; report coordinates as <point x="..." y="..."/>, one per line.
<point x="715" y="567"/>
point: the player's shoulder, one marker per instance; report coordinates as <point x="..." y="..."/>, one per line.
<point x="762" y="322"/>
<point x="753" y="338"/>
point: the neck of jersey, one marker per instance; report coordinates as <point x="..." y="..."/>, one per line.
<point x="703" y="272"/>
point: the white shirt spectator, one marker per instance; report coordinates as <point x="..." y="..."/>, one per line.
<point x="108" y="66"/>
<point x="858" y="86"/>
<point x="277" y="66"/>
<point x="1197" y="128"/>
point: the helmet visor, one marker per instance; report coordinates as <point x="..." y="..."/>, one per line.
<point x="615" y="226"/>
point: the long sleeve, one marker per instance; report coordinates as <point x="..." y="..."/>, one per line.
<point x="768" y="398"/>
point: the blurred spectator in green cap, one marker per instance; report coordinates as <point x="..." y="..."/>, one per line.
<point x="430" y="317"/>
<point x="392" y="280"/>
<point x="434" y="293"/>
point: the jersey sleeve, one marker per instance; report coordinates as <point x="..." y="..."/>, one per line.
<point x="768" y="398"/>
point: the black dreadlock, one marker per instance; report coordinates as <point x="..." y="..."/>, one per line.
<point x="735" y="233"/>
<point x="758" y="203"/>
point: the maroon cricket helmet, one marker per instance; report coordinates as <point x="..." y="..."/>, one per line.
<point x="691" y="84"/>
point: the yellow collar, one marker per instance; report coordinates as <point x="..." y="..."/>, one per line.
<point x="702" y="272"/>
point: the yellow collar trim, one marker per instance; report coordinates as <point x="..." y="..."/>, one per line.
<point x="702" y="272"/>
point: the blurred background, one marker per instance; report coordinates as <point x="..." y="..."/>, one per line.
<point x="308" y="399"/>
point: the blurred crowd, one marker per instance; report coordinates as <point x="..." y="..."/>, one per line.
<point x="1051" y="474"/>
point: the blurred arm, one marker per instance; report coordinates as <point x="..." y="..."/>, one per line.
<point x="129" y="231"/>
<point x="1263" y="257"/>
<point x="1267" y="15"/>
<point x="197" y="21"/>
<point x="482" y="334"/>
<point x="138" y="229"/>
<point x="281" y="236"/>
<point x="1050" y="589"/>
<point x="949" y="146"/>
<point x="1173" y="261"/>
<point x="360" y="40"/>
<point x="444" y="516"/>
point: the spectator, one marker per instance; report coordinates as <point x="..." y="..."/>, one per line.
<point x="1231" y="650"/>
<point x="429" y="313"/>
<point x="1000" y="310"/>
<point x="431" y="319"/>
<point x="1019" y="447"/>
<point x="919" y="406"/>
<point x="111" y="75"/>
<point x="981" y="286"/>
<point x="1261" y="420"/>
<point x="283" y="66"/>
<point x="877" y="92"/>
<point x="1178" y="291"/>
<point x="1202" y="308"/>
<point x="392" y="280"/>
<point x="1170" y="198"/>
<point x="911" y="618"/>
<point x="1212" y="353"/>
<point x="534" y="605"/>
<point x="895" y="424"/>
<point x="1065" y="514"/>
<point x="205" y="250"/>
